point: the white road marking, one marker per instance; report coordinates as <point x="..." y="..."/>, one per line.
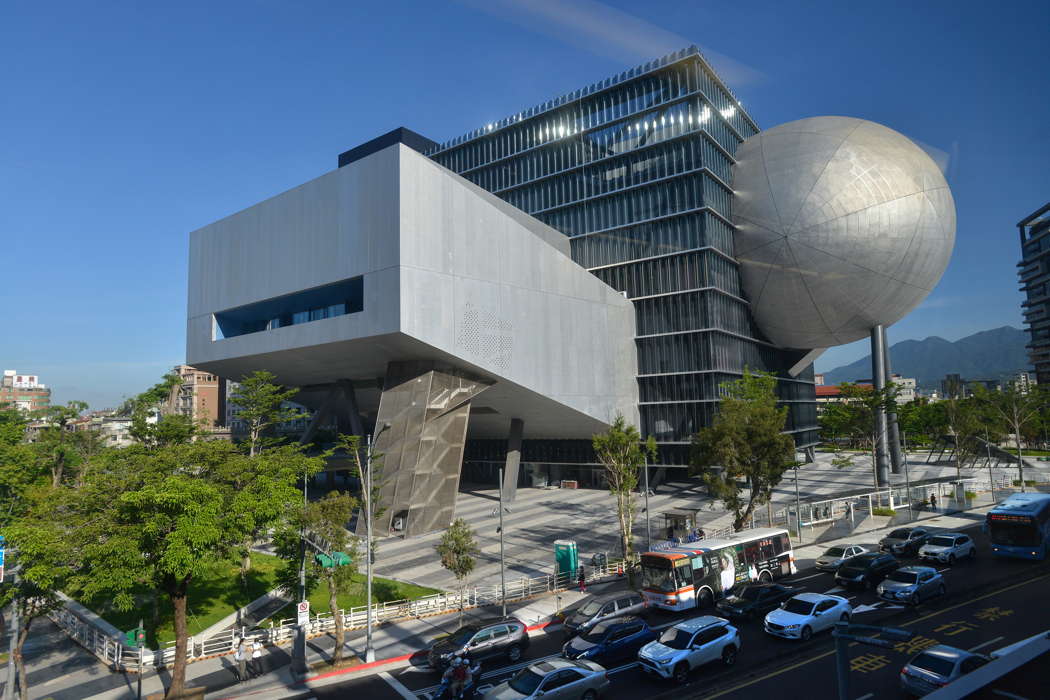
<point x="625" y="667"/>
<point x="836" y="589"/>
<point x="1008" y="695"/>
<point x="397" y="686"/>
<point x="806" y="578"/>
<point x="984" y="644"/>
<point x="865" y="697"/>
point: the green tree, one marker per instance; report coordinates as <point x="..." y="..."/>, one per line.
<point x="327" y="519"/>
<point x="351" y="445"/>
<point x="1015" y="410"/>
<point x="746" y="440"/>
<point x="165" y="428"/>
<point x="457" y="550"/>
<point x="55" y="445"/>
<point x="963" y="421"/>
<point x="860" y="407"/>
<point x="622" y="452"/>
<point x="164" y="516"/>
<point x="260" y="404"/>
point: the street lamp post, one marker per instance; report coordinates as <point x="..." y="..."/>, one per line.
<point x="988" y="461"/>
<point x="798" y="508"/>
<point x="370" y="654"/>
<point x="907" y="477"/>
<point x="648" y="529"/>
<point x="502" y="561"/>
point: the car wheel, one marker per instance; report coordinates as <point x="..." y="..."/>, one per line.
<point x="914" y="599"/>
<point x="514" y="653"/>
<point x="807" y="633"/>
<point x="973" y="553"/>
<point x="681" y="673"/>
<point x="589" y="695"/>
<point x="844" y="617"/>
<point x="941" y="590"/>
<point x="765" y="577"/>
<point x="704" y="600"/>
<point x="729" y="655"/>
<point x="951" y="559"/>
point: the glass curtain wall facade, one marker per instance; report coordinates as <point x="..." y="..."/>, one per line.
<point x="1034" y="275"/>
<point x="636" y="170"/>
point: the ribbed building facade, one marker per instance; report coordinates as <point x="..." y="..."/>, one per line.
<point x="637" y="171"/>
<point x="1034" y="275"/>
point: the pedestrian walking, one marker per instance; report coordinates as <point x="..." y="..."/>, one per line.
<point x="256" y="669"/>
<point x="240" y="655"/>
<point x="583" y="579"/>
<point x="933" y="501"/>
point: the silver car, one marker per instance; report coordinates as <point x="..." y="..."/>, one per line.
<point x="947" y="547"/>
<point x="937" y="667"/>
<point x="911" y="585"/>
<point x="832" y="559"/>
<point x="554" y="679"/>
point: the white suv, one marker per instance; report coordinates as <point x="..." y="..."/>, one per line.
<point x="806" y="613"/>
<point x="690" y="644"/>
<point x="947" y="547"/>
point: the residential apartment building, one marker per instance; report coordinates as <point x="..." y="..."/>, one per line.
<point x="201" y="396"/>
<point x="23" y="391"/>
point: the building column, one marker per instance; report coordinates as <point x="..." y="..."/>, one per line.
<point x="878" y="376"/>
<point x="893" y="434"/>
<point x="510" y="472"/>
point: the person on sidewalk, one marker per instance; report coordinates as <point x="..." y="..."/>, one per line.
<point x="933" y="502"/>
<point x="256" y="669"/>
<point x="582" y="579"/>
<point x="460" y="676"/>
<point x="240" y="655"/>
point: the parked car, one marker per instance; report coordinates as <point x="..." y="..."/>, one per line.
<point x="806" y="613"/>
<point x="755" y="600"/>
<point x="610" y="640"/>
<point x="904" y="541"/>
<point x="947" y="547"/>
<point x="598" y="608"/>
<point x="482" y="640"/>
<point x="911" y="584"/>
<point x="688" y="645"/>
<point x="938" y="666"/>
<point x="832" y="559"/>
<point x="865" y="570"/>
<point x="554" y="679"/>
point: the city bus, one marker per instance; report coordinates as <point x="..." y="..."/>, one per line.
<point x="697" y="574"/>
<point x="1020" y="526"/>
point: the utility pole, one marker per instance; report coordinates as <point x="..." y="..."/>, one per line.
<point x="648" y="528"/>
<point x="299" y="645"/>
<point x="988" y="461"/>
<point x="370" y="653"/>
<point x="502" y="561"/>
<point x="798" y="508"/>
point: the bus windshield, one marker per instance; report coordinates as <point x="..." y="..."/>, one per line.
<point x="658" y="576"/>
<point x="1014" y="533"/>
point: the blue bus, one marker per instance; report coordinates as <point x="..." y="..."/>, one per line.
<point x="1020" y="526"/>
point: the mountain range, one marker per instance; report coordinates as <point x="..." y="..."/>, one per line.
<point x="984" y="355"/>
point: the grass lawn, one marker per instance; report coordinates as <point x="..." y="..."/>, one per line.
<point x="383" y="590"/>
<point x="211" y="598"/>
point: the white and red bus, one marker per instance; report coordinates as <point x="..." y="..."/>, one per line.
<point x="699" y="573"/>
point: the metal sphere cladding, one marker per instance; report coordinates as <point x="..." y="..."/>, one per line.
<point x="842" y="224"/>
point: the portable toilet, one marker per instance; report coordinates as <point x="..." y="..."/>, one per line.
<point x="566" y="559"/>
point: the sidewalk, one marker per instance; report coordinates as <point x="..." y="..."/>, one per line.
<point x="394" y="646"/>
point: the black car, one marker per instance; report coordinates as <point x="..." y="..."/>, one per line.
<point x="604" y="607"/>
<point x="611" y="640"/>
<point x="866" y="570"/>
<point x="485" y="639"/>
<point x="755" y="600"/>
<point x="905" y="541"/>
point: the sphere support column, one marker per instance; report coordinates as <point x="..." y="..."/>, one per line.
<point x="892" y="429"/>
<point x="878" y="376"/>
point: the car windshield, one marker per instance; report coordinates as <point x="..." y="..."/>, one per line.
<point x="903" y="577"/>
<point x="799" y="607"/>
<point x="899" y="534"/>
<point x="835" y="552"/>
<point x="526" y="681"/>
<point x="941" y="541"/>
<point x="751" y="593"/>
<point x="596" y="633"/>
<point x="462" y="635"/>
<point x="591" y="607"/>
<point x="937" y="664"/>
<point x="658" y="578"/>
<point x="676" y="638"/>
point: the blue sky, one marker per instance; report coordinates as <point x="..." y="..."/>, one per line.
<point x="125" y="125"/>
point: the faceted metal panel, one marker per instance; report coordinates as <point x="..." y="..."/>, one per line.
<point x="843" y="224"/>
<point x="427" y="409"/>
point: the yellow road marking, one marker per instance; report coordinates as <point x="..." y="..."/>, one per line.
<point x="906" y="624"/>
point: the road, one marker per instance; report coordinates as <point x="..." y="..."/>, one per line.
<point x="990" y="603"/>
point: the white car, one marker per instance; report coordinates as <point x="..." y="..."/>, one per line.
<point x="806" y="613"/>
<point x="947" y="547"/>
<point x="690" y="644"/>
<point x="832" y="559"/>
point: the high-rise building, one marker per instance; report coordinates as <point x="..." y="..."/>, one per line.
<point x="1034" y="275"/>
<point x="636" y="171"/>
<point x="23" y="391"/>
